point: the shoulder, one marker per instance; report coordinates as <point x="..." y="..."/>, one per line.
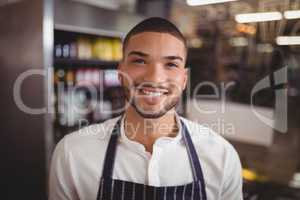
<point x="220" y="161"/>
<point x="81" y="151"/>
<point x="201" y="132"/>
<point x="208" y="141"/>
<point x="100" y="131"/>
<point x="90" y="138"/>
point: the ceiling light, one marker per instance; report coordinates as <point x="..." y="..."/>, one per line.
<point x="205" y="2"/>
<point x="292" y="14"/>
<point x="258" y="17"/>
<point x="288" y="40"/>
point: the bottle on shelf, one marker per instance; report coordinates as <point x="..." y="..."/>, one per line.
<point x="84" y="48"/>
<point x="80" y="67"/>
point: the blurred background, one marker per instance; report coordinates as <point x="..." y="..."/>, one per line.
<point x="60" y="55"/>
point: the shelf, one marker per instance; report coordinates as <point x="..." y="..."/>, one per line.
<point x="85" y="30"/>
<point x="74" y="62"/>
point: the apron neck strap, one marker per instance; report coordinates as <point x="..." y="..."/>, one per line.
<point x="111" y="151"/>
<point x="192" y="153"/>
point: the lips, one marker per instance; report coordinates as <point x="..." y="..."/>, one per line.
<point x="151" y="95"/>
<point x="155" y="92"/>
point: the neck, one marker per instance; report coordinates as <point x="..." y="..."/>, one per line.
<point x="146" y="131"/>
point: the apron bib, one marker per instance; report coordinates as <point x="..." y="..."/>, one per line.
<point x="113" y="189"/>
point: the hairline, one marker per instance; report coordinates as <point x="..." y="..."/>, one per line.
<point x="128" y="37"/>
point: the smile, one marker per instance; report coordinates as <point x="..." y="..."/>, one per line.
<point x="152" y="92"/>
<point x="155" y="94"/>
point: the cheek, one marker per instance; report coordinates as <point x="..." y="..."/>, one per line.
<point x="178" y="81"/>
<point x="129" y="76"/>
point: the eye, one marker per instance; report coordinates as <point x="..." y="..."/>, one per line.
<point x="170" y="64"/>
<point x="138" y="61"/>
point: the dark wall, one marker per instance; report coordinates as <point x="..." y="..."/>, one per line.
<point x="23" y="163"/>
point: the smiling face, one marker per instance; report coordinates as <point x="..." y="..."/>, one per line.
<point x="153" y="73"/>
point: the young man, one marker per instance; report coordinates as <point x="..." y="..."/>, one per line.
<point x="149" y="152"/>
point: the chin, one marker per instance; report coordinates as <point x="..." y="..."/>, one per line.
<point x="148" y="115"/>
<point x="153" y="113"/>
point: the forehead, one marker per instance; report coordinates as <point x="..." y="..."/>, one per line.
<point x="156" y="43"/>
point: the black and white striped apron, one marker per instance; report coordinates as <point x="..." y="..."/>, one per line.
<point x="113" y="189"/>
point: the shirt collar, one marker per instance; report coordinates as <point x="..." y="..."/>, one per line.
<point x="137" y="146"/>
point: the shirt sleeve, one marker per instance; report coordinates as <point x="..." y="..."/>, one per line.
<point x="60" y="179"/>
<point x="232" y="183"/>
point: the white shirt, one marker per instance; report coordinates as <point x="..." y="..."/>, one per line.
<point x="78" y="158"/>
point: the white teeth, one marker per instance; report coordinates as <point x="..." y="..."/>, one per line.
<point x="155" y="94"/>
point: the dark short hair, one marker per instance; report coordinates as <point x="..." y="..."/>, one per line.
<point x="154" y="24"/>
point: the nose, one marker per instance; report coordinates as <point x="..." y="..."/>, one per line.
<point x="155" y="73"/>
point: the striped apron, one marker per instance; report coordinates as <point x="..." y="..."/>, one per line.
<point x="113" y="189"/>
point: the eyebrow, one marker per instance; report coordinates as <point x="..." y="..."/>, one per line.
<point x="173" y="58"/>
<point x="142" y="54"/>
<point x="138" y="53"/>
